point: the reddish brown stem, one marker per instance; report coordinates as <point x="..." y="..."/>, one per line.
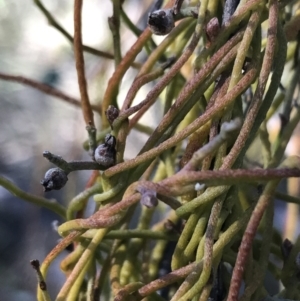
<point x="165" y="80"/>
<point x="113" y="84"/>
<point x="169" y="279"/>
<point x="85" y="102"/>
<point x="247" y="241"/>
<point x="45" y="88"/>
<point x="205" y="117"/>
<point x="187" y="90"/>
<point x="229" y="176"/>
<point x="139" y="82"/>
<point x="259" y="93"/>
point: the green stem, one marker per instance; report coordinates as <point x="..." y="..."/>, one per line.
<point x="81" y="264"/>
<point x="114" y="25"/>
<point x="42" y="202"/>
<point x="196" y="267"/>
<point x="205" y="117"/>
<point x="76" y="288"/>
<point x="287" y="198"/>
<point x="78" y="202"/>
<point x="208" y="252"/>
<point x="137" y="233"/>
<point x="61" y="246"/>
<point x="269" y="97"/>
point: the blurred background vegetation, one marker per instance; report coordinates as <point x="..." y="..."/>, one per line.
<point x="31" y="122"/>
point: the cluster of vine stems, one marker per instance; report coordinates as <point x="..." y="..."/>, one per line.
<point x="210" y="120"/>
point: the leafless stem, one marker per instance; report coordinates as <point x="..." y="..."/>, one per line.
<point x="85" y="102"/>
<point x="45" y="89"/>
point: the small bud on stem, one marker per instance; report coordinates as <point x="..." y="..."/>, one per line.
<point x="55" y="178"/>
<point x="161" y="21"/>
<point x="105" y="153"/>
